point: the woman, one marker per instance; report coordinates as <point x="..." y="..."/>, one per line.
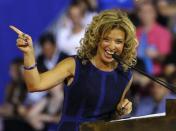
<point x="95" y="84"/>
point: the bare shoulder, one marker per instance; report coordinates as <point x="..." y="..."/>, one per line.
<point x="68" y="65"/>
<point x="63" y="70"/>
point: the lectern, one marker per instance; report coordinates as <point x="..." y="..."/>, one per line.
<point x="159" y="123"/>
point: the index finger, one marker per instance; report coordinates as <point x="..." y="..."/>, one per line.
<point x="16" y="30"/>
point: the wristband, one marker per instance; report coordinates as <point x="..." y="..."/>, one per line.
<point x="30" y="67"/>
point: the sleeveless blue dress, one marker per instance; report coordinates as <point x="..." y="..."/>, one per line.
<point x="93" y="94"/>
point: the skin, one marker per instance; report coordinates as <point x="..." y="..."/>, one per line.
<point x="158" y="92"/>
<point x="147" y="16"/>
<point x="113" y="41"/>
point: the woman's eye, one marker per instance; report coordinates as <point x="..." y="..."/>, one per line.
<point x="106" y="39"/>
<point x="118" y="42"/>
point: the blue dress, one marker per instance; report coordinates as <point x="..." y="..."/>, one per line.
<point x="93" y="94"/>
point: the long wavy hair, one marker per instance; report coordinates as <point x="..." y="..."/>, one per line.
<point x="100" y="26"/>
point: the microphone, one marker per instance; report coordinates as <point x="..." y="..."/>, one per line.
<point x="116" y="57"/>
<point x="169" y="86"/>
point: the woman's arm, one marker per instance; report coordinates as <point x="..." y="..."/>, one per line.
<point x="47" y="80"/>
<point x="124" y="107"/>
<point x="126" y="89"/>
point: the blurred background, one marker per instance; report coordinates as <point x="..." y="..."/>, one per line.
<point x="56" y="28"/>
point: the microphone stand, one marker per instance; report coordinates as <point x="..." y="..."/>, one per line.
<point x="169" y="86"/>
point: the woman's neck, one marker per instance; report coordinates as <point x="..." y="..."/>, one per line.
<point x="97" y="62"/>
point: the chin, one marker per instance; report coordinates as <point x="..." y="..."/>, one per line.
<point x="107" y="59"/>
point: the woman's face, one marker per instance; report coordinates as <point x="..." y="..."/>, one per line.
<point x="112" y="42"/>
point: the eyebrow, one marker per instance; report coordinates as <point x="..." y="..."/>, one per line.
<point x="115" y="39"/>
<point x="120" y="39"/>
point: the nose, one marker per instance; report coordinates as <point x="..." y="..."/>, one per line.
<point x="112" y="46"/>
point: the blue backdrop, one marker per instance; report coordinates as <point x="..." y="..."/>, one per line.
<point x="32" y="17"/>
<point x="121" y="4"/>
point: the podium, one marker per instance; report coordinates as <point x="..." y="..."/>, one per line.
<point x="158" y="123"/>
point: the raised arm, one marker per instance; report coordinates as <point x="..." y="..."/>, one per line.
<point x="47" y="80"/>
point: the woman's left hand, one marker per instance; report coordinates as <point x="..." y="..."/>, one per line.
<point x="124" y="107"/>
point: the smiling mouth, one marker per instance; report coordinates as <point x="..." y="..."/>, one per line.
<point x="109" y="52"/>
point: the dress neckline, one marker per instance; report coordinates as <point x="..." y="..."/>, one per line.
<point x="102" y="71"/>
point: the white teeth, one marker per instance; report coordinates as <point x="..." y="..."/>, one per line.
<point x="109" y="52"/>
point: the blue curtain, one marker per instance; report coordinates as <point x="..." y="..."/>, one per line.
<point x="32" y="17"/>
<point x="110" y="4"/>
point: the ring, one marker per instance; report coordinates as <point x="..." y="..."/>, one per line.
<point x="24" y="36"/>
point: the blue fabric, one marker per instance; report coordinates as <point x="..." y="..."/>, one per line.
<point x="93" y="95"/>
<point x="110" y="4"/>
<point x="32" y="17"/>
<point x="143" y="45"/>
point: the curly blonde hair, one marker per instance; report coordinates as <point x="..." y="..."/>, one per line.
<point x="100" y="26"/>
